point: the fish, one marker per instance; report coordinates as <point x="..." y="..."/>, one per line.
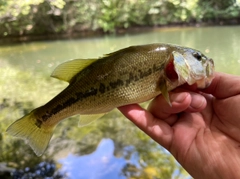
<point x="98" y="85"/>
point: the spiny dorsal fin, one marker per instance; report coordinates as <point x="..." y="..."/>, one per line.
<point x="122" y="51"/>
<point x="87" y="119"/>
<point x="66" y="71"/>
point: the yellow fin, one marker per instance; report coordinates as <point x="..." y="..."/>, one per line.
<point x="37" y="137"/>
<point x="66" y="71"/>
<point x="87" y="119"/>
<point x="164" y="91"/>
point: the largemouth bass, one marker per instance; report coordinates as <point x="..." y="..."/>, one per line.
<point x="96" y="86"/>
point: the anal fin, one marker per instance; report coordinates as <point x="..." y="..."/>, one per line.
<point x="87" y="119"/>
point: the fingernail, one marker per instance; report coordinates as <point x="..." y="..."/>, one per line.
<point x="179" y="97"/>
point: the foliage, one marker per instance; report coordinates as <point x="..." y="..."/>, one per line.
<point x="70" y="16"/>
<point x="216" y="10"/>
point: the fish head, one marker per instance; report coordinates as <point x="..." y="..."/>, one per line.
<point x="192" y="67"/>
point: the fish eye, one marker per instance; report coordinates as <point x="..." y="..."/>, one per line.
<point x="198" y="56"/>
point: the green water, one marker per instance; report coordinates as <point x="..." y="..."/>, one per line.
<point x="25" y="84"/>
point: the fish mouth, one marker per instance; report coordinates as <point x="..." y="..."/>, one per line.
<point x="204" y="83"/>
<point x="208" y="76"/>
<point x="191" y="71"/>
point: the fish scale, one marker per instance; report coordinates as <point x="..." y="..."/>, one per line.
<point x="96" y="86"/>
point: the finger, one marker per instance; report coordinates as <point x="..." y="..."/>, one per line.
<point x="198" y="102"/>
<point x="181" y="101"/>
<point x="136" y="114"/>
<point x="160" y="108"/>
<point x="157" y="129"/>
<point x="224" y="85"/>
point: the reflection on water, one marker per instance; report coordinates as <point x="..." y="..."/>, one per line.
<point x="42" y="170"/>
<point x="100" y="164"/>
<point x="111" y="147"/>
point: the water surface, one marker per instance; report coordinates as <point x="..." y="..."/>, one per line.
<point x="111" y="147"/>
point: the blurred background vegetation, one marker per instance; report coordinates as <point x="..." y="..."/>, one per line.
<point x="69" y="17"/>
<point x="25" y="70"/>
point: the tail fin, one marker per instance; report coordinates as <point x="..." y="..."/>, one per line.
<point x="37" y="137"/>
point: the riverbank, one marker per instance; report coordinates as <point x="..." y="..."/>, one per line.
<point x="78" y="34"/>
<point x="25" y="21"/>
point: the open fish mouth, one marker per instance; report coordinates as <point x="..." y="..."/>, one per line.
<point x="207" y="78"/>
<point x="204" y="83"/>
<point x="193" y="68"/>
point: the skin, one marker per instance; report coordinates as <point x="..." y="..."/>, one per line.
<point x="201" y="129"/>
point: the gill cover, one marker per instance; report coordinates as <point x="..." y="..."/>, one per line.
<point x="176" y="66"/>
<point x="182" y="69"/>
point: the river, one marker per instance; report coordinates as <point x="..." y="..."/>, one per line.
<point x="111" y="147"/>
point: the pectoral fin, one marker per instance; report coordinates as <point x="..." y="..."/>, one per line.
<point x="87" y="119"/>
<point x="164" y="91"/>
<point x="66" y="71"/>
<point x="182" y="68"/>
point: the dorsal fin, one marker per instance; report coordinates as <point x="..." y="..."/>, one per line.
<point x="121" y="51"/>
<point x="66" y="71"/>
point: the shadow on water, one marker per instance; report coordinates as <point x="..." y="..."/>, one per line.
<point x="111" y="147"/>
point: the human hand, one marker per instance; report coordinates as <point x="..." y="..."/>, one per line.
<point x="201" y="129"/>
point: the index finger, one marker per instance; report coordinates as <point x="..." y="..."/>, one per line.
<point x="157" y="129"/>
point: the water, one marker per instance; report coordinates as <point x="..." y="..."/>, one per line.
<point x="111" y="147"/>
